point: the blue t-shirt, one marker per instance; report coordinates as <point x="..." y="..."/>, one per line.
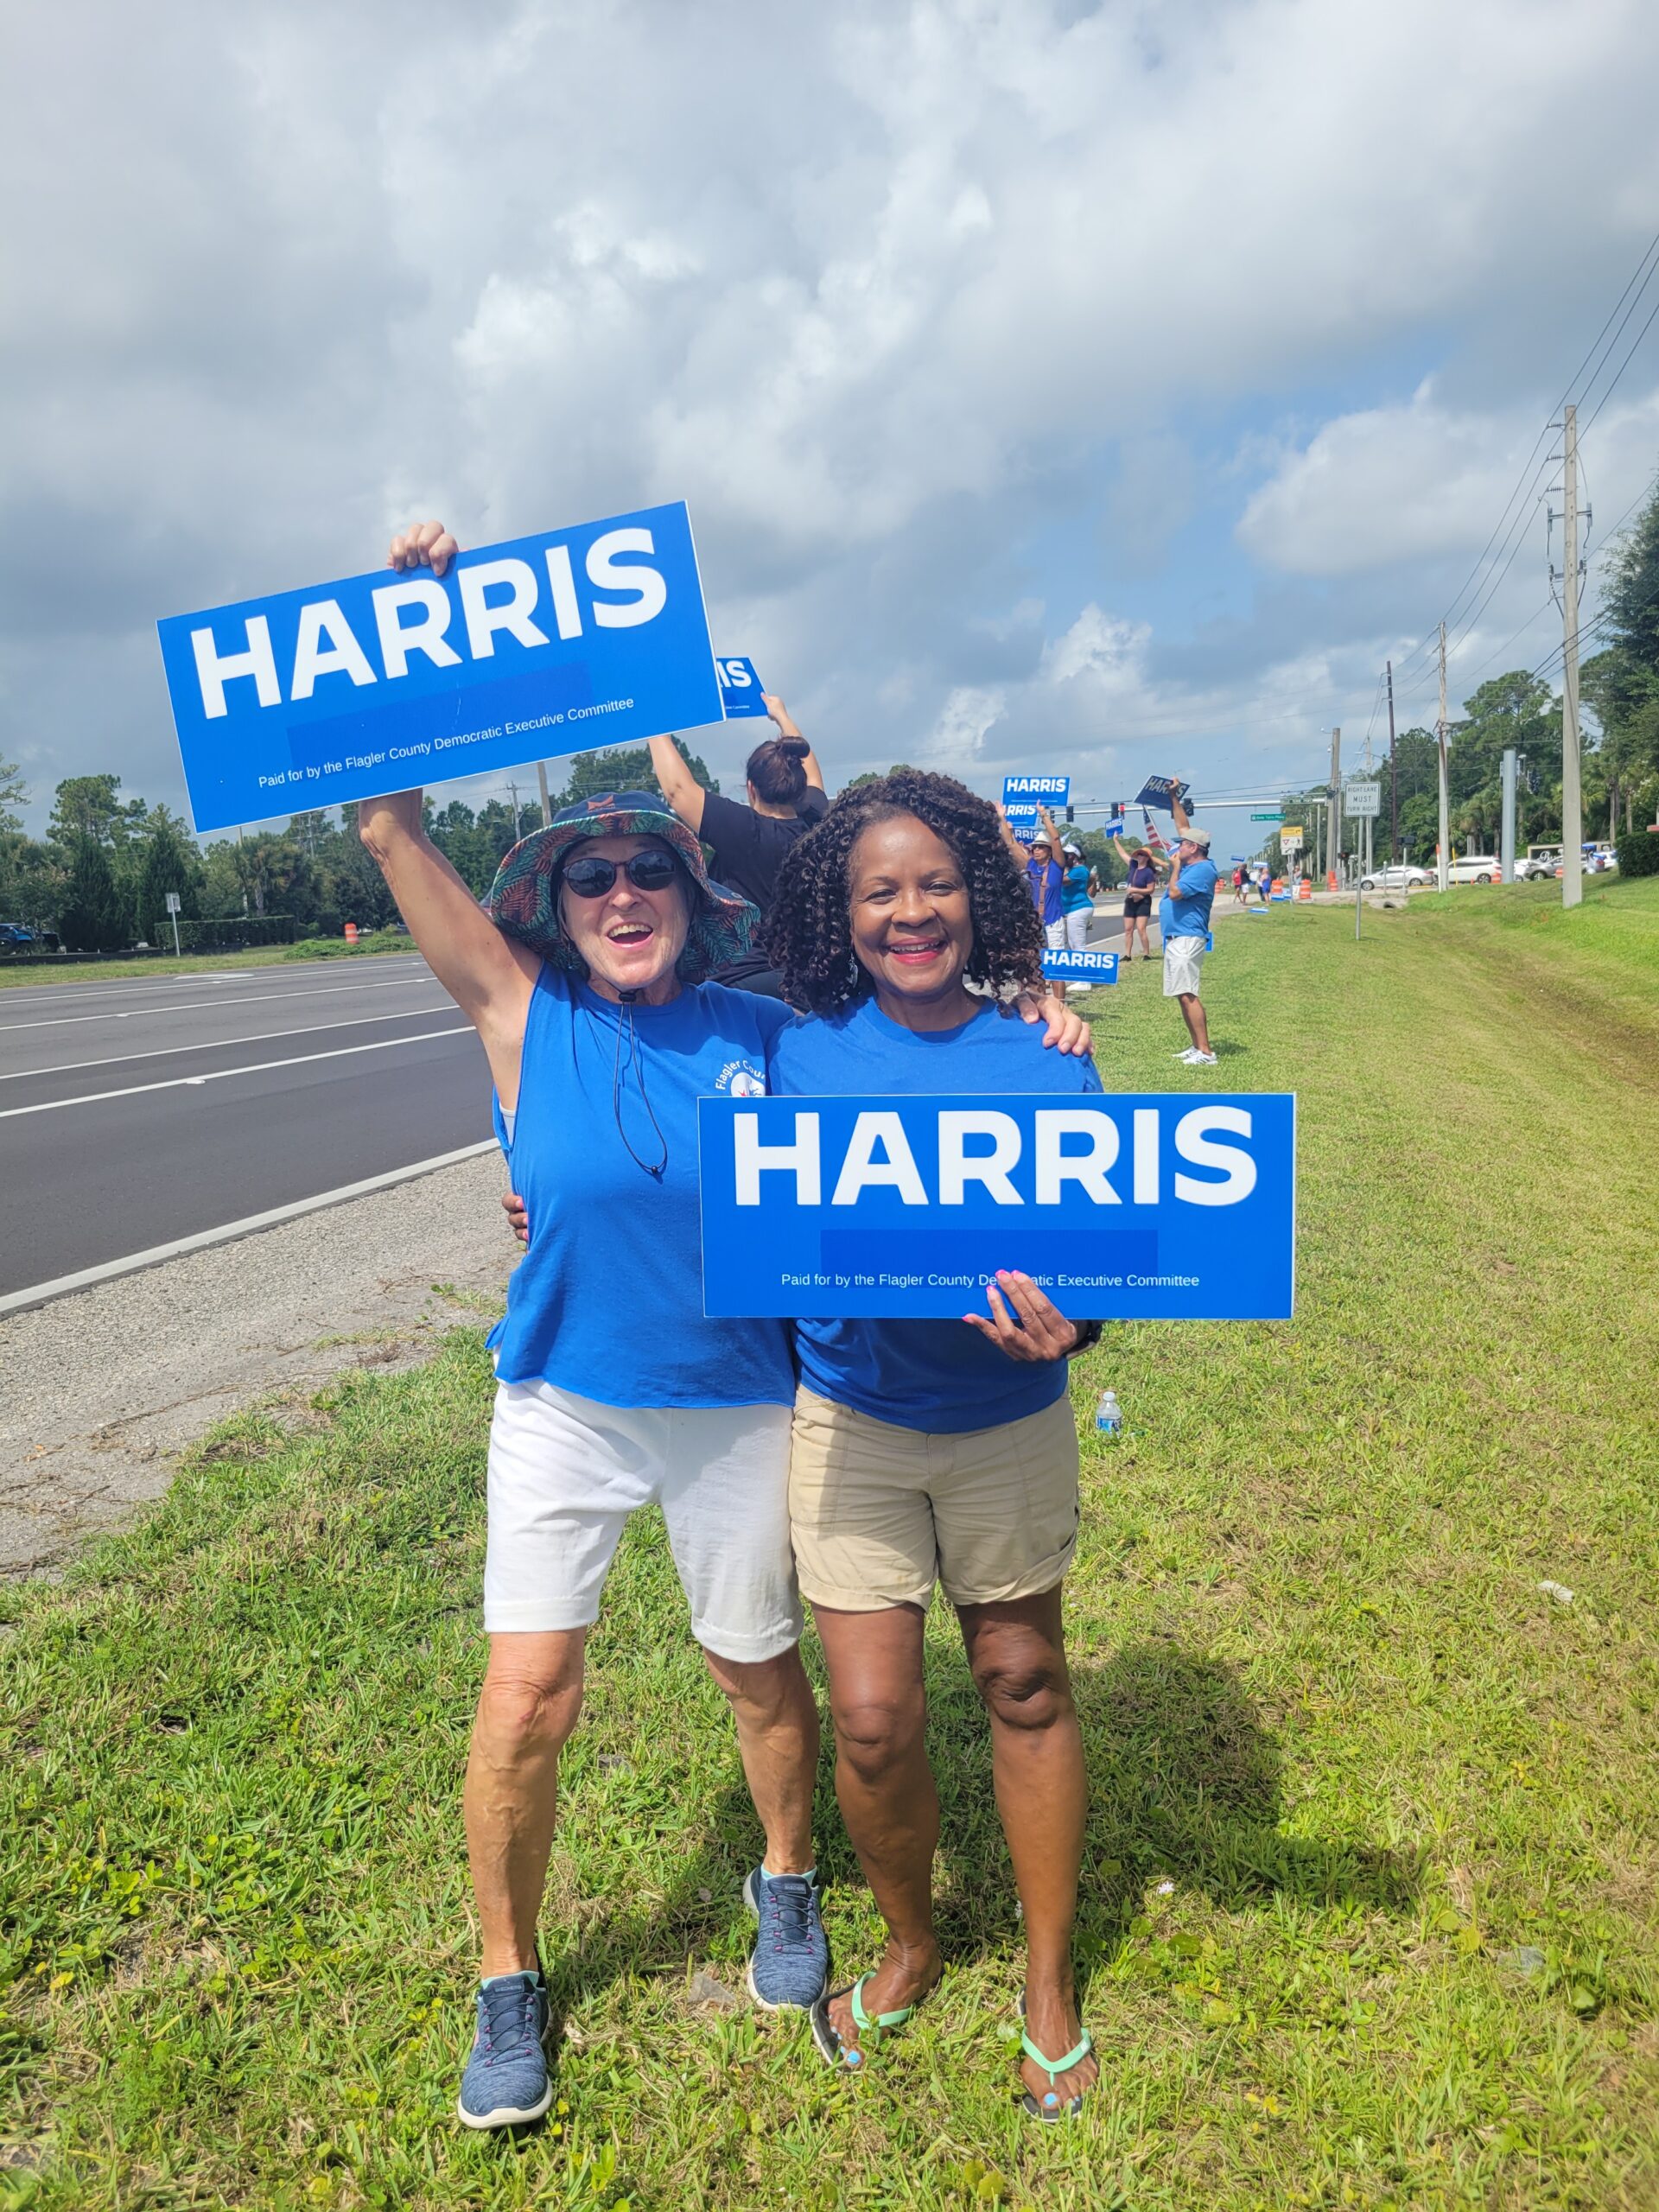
<point x="1187" y="914"/>
<point x="1074" y="895"/>
<point x="937" y="1375"/>
<point x="608" y="1300"/>
<point x="1045" y="881"/>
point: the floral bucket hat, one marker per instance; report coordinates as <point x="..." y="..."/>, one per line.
<point x="524" y="900"/>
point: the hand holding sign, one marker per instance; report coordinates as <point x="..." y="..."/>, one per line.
<point x="423" y="545"/>
<point x="1041" y="1333"/>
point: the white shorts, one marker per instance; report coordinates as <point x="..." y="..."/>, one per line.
<point x="1077" y="929"/>
<point x="1054" y="935"/>
<point x="564" y="1474"/>
<point x="1183" y="963"/>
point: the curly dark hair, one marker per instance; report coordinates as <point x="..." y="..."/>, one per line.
<point x="808" y="934"/>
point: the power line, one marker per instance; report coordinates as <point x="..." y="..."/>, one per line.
<point x="1508" y="642"/>
<point x="1623" y="365"/>
<point x="1518" y="531"/>
<point x="1595" y="352"/>
<point x="1646" y="493"/>
<point x="1643" y="271"/>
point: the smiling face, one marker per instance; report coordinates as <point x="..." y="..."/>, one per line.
<point x="912" y="922"/>
<point x="630" y="939"/>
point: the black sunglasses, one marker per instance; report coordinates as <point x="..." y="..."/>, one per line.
<point x="592" y="878"/>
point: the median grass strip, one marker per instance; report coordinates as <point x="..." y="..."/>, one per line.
<point x="18" y="973"/>
<point x="1363" y="1628"/>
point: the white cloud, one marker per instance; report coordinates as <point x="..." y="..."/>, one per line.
<point x="959" y="736"/>
<point x="878" y="288"/>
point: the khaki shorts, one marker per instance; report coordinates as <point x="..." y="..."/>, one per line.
<point x="1183" y="963"/>
<point x="877" y="1513"/>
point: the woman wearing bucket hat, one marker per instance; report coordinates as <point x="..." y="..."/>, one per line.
<point x="586" y="980"/>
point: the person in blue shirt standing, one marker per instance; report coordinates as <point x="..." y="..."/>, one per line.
<point x="1184" y="923"/>
<point x="1077" y="890"/>
<point x="587" y="982"/>
<point x="929" y="1451"/>
<point x="1045" y="876"/>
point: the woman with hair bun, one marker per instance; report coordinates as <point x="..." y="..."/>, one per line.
<point x="786" y="797"/>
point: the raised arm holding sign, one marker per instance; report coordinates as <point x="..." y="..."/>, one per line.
<point x="556" y="644"/>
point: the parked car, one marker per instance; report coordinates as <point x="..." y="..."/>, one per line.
<point x="15" y="939"/>
<point x="1476" y="868"/>
<point x="1394" y="879"/>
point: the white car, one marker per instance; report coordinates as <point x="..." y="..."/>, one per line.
<point x="1476" y="868"/>
<point x="1394" y="879"/>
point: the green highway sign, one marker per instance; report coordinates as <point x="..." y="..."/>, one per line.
<point x="1277" y="815"/>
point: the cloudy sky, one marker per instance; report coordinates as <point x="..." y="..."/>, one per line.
<point x="1106" y="389"/>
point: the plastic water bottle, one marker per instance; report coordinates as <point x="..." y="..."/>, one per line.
<point x="1109" y="1417"/>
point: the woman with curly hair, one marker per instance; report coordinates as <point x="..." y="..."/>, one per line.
<point x="936" y="1451"/>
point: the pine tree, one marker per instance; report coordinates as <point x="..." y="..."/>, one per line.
<point x="90" y="919"/>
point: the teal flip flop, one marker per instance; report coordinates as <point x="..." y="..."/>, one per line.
<point x="876" y="2024"/>
<point x="1051" y="2109"/>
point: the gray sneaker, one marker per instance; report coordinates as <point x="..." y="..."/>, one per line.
<point x="790" y="1963"/>
<point x="506" y="2082"/>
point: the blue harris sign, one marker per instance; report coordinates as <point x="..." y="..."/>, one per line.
<point x="1090" y="967"/>
<point x="1022" y="795"/>
<point x="740" y="689"/>
<point x="562" y="643"/>
<point x="1158" y="790"/>
<point x="1121" y="1208"/>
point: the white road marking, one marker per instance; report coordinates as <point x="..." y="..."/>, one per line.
<point x="216" y="1045"/>
<point x="219" y="1075"/>
<point x="15" y="1301"/>
<point x="251" y="998"/>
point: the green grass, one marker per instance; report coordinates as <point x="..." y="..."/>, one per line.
<point x="1369" y="1906"/>
<point x="14" y="973"/>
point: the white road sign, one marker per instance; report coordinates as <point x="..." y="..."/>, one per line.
<point x="1362" y="799"/>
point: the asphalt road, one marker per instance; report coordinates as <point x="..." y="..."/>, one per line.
<point x="136" y="1113"/>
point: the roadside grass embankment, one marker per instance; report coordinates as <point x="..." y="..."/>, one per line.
<point x="1369" y="1914"/>
<point x="161" y="965"/>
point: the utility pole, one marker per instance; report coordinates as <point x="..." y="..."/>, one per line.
<point x="541" y="786"/>
<point x="1443" y="874"/>
<point x="1394" y="778"/>
<point x="513" y="788"/>
<point x="1571" y="807"/>
<point x="1506" y="846"/>
<point x="1333" y="833"/>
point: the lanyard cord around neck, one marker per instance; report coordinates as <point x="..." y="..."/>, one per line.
<point x="636" y="1058"/>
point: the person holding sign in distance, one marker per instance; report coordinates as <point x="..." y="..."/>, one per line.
<point x="1137" y="896"/>
<point x="936" y="1451"/>
<point x="587" y="980"/>
<point x="1183" y="924"/>
<point x="1044" y="873"/>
